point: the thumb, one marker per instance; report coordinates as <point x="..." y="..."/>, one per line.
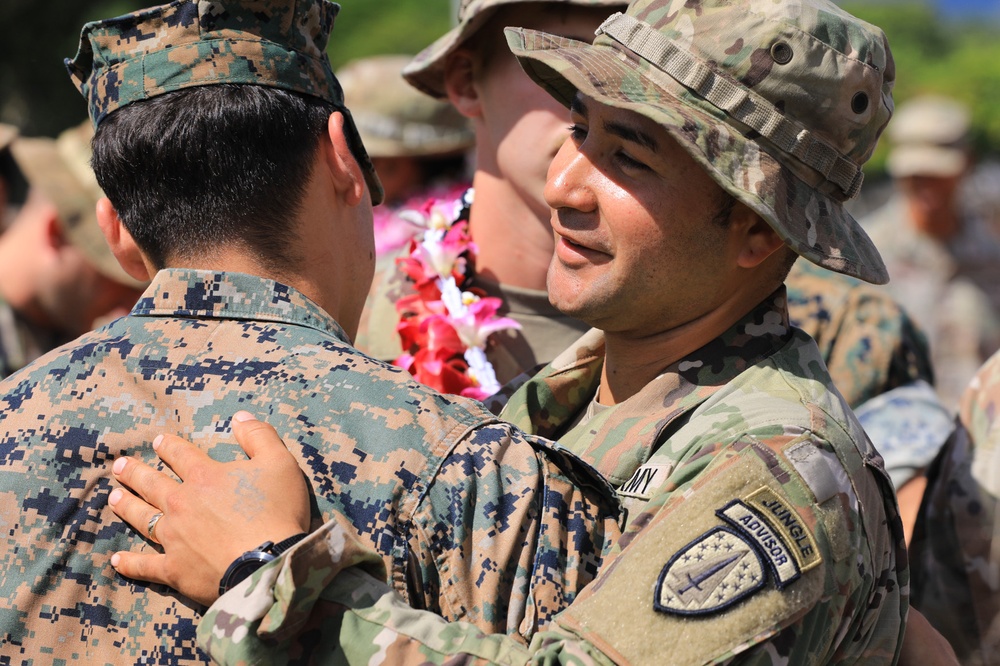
<point x="256" y="437"/>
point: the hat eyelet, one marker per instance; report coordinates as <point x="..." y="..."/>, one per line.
<point x="781" y="52"/>
<point x="859" y="103"/>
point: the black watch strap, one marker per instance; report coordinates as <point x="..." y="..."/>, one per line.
<point x="247" y="563"/>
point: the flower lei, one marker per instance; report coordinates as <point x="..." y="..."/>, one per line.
<point x="444" y="326"/>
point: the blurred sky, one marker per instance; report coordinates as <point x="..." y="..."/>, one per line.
<point x="969" y="8"/>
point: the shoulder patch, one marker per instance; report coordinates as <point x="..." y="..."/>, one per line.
<point x="713" y="572"/>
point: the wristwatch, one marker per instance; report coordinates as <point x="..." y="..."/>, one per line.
<point x="244" y="565"/>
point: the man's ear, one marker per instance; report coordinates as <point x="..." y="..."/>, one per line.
<point x="132" y="260"/>
<point x="460" y="83"/>
<point x="758" y="240"/>
<point x="343" y="166"/>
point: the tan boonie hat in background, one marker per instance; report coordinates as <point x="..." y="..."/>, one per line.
<point x="60" y="170"/>
<point x="273" y="43"/>
<point x="426" y="71"/>
<point x="393" y="118"/>
<point x="929" y="138"/>
<point x="780" y="102"/>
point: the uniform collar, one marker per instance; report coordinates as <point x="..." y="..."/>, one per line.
<point x="623" y="437"/>
<point x="182" y="292"/>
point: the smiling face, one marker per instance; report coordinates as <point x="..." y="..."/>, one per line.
<point x="642" y="243"/>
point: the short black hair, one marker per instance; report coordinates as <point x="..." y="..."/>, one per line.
<point x="201" y="168"/>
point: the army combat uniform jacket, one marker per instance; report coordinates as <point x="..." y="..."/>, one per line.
<point x="471" y="518"/>
<point x="761" y="527"/>
<point x="954" y="552"/>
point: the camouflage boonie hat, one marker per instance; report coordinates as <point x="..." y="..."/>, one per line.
<point x="60" y="170"/>
<point x="394" y="119"/>
<point x="184" y="44"/>
<point x="780" y="102"/>
<point x="426" y="71"/>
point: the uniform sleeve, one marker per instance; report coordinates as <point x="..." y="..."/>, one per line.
<point x="738" y="568"/>
<point x="324" y="603"/>
<point x="509" y="532"/>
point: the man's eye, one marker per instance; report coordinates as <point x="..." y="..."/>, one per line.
<point x="629" y="162"/>
<point x="578" y="132"/>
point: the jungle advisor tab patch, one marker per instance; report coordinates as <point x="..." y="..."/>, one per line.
<point x="711" y="573"/>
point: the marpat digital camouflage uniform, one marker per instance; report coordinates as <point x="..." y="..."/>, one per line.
<point x="954" y="554"/>
<point x="474" y="520"/>
<point x="762" y="527"/>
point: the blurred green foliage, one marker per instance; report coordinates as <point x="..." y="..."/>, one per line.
<point x="37" y="96"/>
<point x="932" y="55"/>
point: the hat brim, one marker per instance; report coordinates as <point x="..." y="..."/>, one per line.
<point x="938" y="161"/>
<point x="426" y="71"/>
<point x="812" y="223"/>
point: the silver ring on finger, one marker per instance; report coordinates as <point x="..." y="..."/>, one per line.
<point x="151" y="527"/>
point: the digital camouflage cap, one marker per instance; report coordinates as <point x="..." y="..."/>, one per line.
<point x="426" y="71"/>
<point x="780" y="102"/>
<point x="274" y="43"/>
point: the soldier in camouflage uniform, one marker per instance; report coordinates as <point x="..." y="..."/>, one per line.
<point x="954" y="552"/>
<point x="762" y="527"/>
<point x="424" y="480"/>
<point x="518" y="130"/>
<point x="57" y="275"/>
<point x="943" y="257"/>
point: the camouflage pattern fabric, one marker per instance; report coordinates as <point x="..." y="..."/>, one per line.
<point x="426" y="71"/>
<point x="743" y="436"/>
<point x="183" y="44"/>
<point x="869" y="343"/>
<point x="20" y="342"/>
<point x="780" y="103"/>
<point x="470" y="518"/>
<point x="954" y="554"/>
<point x="544" y="330"/>
<point x="952" y="291"/>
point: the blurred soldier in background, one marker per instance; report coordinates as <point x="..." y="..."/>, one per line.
<point x="955" y="551"/>
<point x="57" y="276"/>
<point x="518" y="130"/>
<point x="417" y="143"/>
<point x="944" y="262"/>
